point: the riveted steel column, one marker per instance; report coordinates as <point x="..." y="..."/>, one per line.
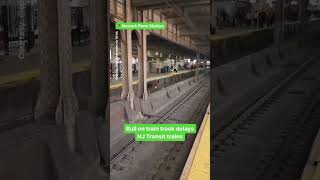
<point x="142" y="53"/>
<point x="205" y="64"/>
<point x="67" y="110"/>
<point x="279" y="25"/>
<point x="197" y="64"/>
<point x="99" y="56"/>
<point x="99" y="102"/>
<point x="303" y="5"/>
<point x="127" y="85"/>
<point x="213" y="10"/>
<point x="49" y="57"/>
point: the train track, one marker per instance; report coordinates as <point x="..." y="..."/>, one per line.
<point x="271" y="139"/>
<point x="163" y="160"/>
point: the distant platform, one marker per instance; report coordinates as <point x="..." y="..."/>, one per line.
<point x="115" y="84"/>
<point x="23" y="77"/>
<point x="233" y="32"/>
<point x="229" y="32"/>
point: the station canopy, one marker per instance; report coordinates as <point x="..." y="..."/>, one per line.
<point x="191" y="16"/>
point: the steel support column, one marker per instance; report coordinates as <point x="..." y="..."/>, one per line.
<point x="197" y="64"/>
<point x="175" y="61"/>
<point x="205" y="63"/>
<point x="142" y="62"/>
<point x="127" y="85"/>
<point x="67" y="110"/>
<point x="158" y="65"/>
<point x="279" y="25"/>
<point x="99" y="57"/>
<point x="49" y="57"/>
<point x="303" y="5"/>
<point x="213" y="24"/>
<point x="99" y="36"/>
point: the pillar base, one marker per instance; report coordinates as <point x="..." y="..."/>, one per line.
<point x="138" y="119"/>
<point x="145" y="96"/>
<point x="42" y="108"/>
<point x="67" y="114"/>
<point x="128" y="96"/>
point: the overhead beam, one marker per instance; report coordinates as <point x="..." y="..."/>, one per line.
<point x="159" y="5"/>
<point x="202" y="44"/>
<point x="192" y="16"/>
<point x="195" y="34"/>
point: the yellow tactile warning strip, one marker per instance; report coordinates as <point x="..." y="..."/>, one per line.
<point x="12" y="80"/>
<point x="312" y="168"/>
<point x="198" y="163"/>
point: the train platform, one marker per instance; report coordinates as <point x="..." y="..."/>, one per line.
<point x="233" y="32"/>
<point x="15" y="72"/>
<point x="24" y="76"/>
<point x="312" y="168"/>
<point x="198" y="163"/>
<point x="229" y="32"/>
<point x="115" y="84"/>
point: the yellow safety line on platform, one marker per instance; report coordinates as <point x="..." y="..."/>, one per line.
<point x="12" y="80"/>
<point x="198" y="163"/>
